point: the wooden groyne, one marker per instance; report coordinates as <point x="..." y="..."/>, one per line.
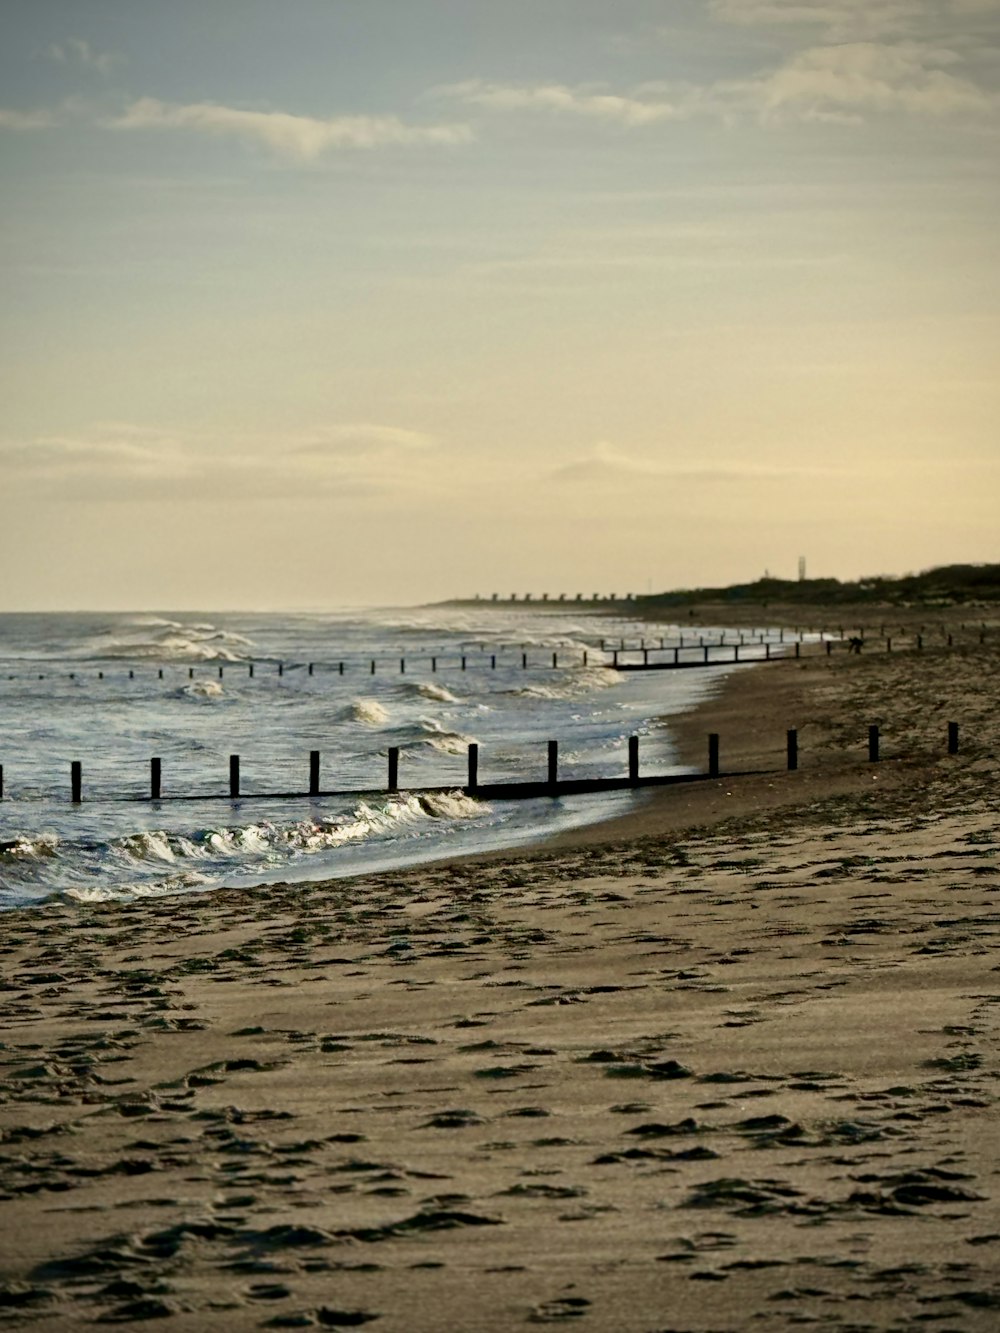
<point x="552" y="785"/>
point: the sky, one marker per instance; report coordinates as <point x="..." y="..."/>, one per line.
<point x="319" y="303"/>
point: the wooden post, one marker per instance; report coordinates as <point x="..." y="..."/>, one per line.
<point x="493" y="661"/>
<point x="676" y="655"/>
<point x="250" y="671"/>
<point x="920" y="641"/>
<point x="190" y="673"/>
<point x="614" y="658"/>
<point x="154" y="779"/>
<point x="393" y="786"/>
<point x="553" y="765"/>
<point x="1" y="782"/>
<point x="736" y="651"/>
<point x="402" y="666"/>
<point x="340" y="667"/>
<point x="793" y="750"/>
<point x="950" y="641"/>
<point x="645" y="657"/>
<point x="310" y="668"/>
<point x="798" y="647"/>
<point x="220" y="673"/>
<point x="888" y="645"/>
<point x="767" y="652"/>
<point x="463" y="663"/>
<point x="281" y="668"/>
<point x="873" y="744"/>
<point x="584" y="657"/>
<point x="829" y="646"/>
<point x="705" y="651"/>
<point x="434" y="664"/>
<point x="953" y="738"/>
<point x="555" y="661"/>
<point x="524" y="661"/>
<point x="234" y="776"/>
<point x="633" y="760"/>
<point x="314" y="772"/>
<point x="713" y="755"/>
<point x="159" y="674"/>
<point x="373" y="666"/>
<point x="473" y="767"/>
<point x="76" y="781"/>
<point x="131" y="675"/>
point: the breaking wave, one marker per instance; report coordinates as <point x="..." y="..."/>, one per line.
<point x="369" y="711"/>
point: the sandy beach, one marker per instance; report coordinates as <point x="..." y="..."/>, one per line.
<point x="728" y="1062"/>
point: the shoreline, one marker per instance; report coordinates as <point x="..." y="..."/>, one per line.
<point x="729" y="1061"/>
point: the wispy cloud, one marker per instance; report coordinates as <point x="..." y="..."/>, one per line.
<point x="298" y="137"/>
<point x="77" y="51"/>
<point x="606" y="463"/>
<point x="11" y="119"/>
<point x="129" y="462"/>
<point x="624" y="109"/>
<point x="842" y="81"/>
<point x="853" y="20"/>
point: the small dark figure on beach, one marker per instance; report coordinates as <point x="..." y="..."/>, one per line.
<point x="855" y="644"/>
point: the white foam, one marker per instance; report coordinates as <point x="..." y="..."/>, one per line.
<point x="369" y="711"/>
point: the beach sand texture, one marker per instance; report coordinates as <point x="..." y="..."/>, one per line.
<point x="728" y="1063"/>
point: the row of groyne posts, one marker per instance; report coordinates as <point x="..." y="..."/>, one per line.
<point x="552" y="785"/>
<point x="724" y="649"/>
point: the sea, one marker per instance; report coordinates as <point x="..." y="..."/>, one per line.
<point x="113" y="691"/>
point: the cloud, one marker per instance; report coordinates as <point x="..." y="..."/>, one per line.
<point x="605" y="464"/>
<point x="26" y="120"/>
<point x="622" y="109"/>
<point x="854" y="20"/>
<point x="298" y="137"/>
<point x="840" y="81"/>
<point x="74" y="50"/>
<point x="129" y="462"/>
<point x="854" y="77"/>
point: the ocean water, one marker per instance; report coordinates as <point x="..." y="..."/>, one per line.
<point x="112" y="691"/>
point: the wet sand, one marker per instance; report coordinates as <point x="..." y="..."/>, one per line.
<point x="729" y="1062"/>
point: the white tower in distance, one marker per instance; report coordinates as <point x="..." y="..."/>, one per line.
<point x="802" y="569"/>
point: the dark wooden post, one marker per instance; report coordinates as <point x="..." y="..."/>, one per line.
<point x="633" y="760"/>
<point x="524" y="661"/>
<point x="463" y="662"/>
<point x="281" y="668"/>
<point x="1" y="782"/>
<point x="873" y="744"/>
<point x="614" y="658"/>
<point x="829" y="646"/>
<point x="736" y="652"/>
<point x="76" y="781"/>
<point x="705" y="651"/>
<point x="434" y="664"/>
<point x="888" y="645"/>
<point x="220" y="673"/>
<point x="493" y="661"/>
<point x="676" y="656"/>
<point x="584" y="657"/>
<point x="555" y="661"/>
<point x="920" y="640"/>
<point x="713" y="755"/>
<point x="402" y="666"/>
<point x="393" y="768"/>
<point x="250" y="671"/>
<point x="553" y="765"/>
<point x="340" y="668"/>
<point x="793" y="750"/>
<point x="950" y="640"/>
<point x="131" y="675"/>
<point x="190" y="673"/>
<point x="373" y="666"/>
<point x="645" y="657"/>
<point x="798" y="647"/>
<point x="155" y="769"/>
<point x="767" y="652"/>
<point x="234" y="776"/>
<point x="159" y="674"/>
<point x="314" y="772"/>
<point x="473" y="767"/>
<point x="953" y="738"/>
<point x="310" y="668"/>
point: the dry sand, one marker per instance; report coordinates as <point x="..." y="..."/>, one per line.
<point x="730" y="1063"/>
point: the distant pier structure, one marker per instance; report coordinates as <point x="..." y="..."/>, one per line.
<point x="547" y="598"/>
